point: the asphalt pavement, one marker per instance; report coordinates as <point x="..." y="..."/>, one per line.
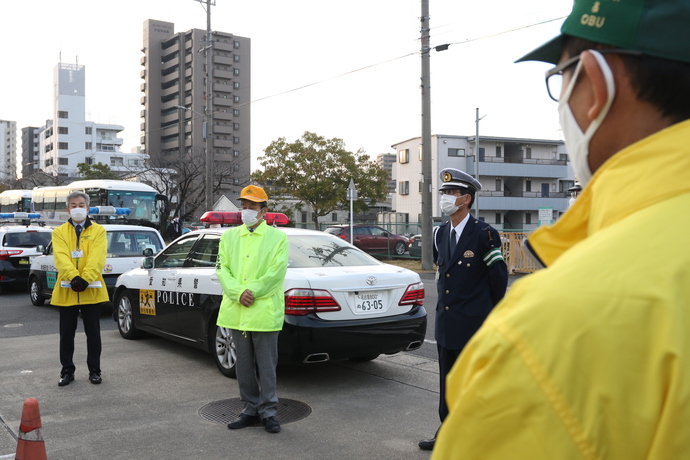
<point x="150" y="403"/>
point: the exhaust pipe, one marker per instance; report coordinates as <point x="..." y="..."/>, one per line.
<point x="316" y="358"/>
<point x="414" y="345"/>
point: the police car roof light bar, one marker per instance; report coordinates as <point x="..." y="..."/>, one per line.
<point x="109" y="211"/>
<point x="235" y="218"/>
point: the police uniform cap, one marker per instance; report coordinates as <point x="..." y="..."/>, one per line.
<point x="453" y="179"/>
<point x="575" y="188"/>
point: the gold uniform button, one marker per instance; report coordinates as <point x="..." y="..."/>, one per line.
<point x="447" y="292"/>
<point x="468" y="265"/>
<point x="447" y="275"/>
<point x="447" y="308"/>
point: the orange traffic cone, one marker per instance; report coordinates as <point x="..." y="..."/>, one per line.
<point x="30" y="445"/>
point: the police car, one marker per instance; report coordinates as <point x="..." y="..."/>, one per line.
<point x="19" y="245"/>
<point x="340" y="303"/>
<point x="127" y="245"/>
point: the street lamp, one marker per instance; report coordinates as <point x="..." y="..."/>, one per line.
<point x="209" y="158"/>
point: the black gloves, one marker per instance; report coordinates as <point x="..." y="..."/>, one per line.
<point x="79" y="284"/>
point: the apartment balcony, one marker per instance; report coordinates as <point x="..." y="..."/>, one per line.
<point x="173" y="90"/>
<point x="520" y="201"/>
<point x="142" y="61"/>
<point x="223" y="115"/>
<point x="226" y="74"/>
<point x="169" y="131"/>
<point x="172" y="76"/>
<point x="171" y="117"/>
<point x="142" y="87"/>
<point x="222" y="129"/>
<point x="143" y="100"/>
<point x="223" y="46"/>
<point x="142" y="74"/>
<point x="222" y="102"/>
<point x="519" y="167"/>
<point x="224" y="60"/>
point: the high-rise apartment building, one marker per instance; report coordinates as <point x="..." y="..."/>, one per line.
<point x="30" y="151"/>
<point x="385" y="161"/>
<point x="174" y="100"/>
<point x="8" y="151"/>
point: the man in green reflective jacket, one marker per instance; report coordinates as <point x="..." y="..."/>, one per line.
<point x="252" y="261"/>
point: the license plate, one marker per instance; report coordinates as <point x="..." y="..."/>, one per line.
<point x="24" y="262"/>
<point x="369" y="303"/>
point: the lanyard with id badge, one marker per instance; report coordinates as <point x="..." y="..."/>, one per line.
<point x="78" y="253"/>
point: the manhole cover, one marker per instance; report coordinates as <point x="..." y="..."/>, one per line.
<point x="228" y="410"/>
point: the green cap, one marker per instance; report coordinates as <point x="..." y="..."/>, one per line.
<point x="658" y="28"/>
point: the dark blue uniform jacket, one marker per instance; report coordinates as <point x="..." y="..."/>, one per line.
<point x="468" y="285"/>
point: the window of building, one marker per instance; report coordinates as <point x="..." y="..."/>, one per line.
<point x="236" y="44"/>
<point x="62" y="130"/>
<point x="236" y="58"/>
<point x="235" y="99"/>
<point x="304" y="216"/>
<point x="236" y="181"/>
<point x="235" y="140"/>
<point x="236" y="112"/>
<point x="235" y="71"/>
<point x="87" y="130"/>
<point x="528" y="152"/>
<point x="498" y="151"/>
<point x="235" y="126"/>
<point x="236" y="167"/>
<point x="421" y="184"/>
<point x="404" y="187"/>
<point x="63" y="145"/>
<point x="566" y="184"/>
<point x="456" y="152"/>
<point x="498" y="217"/>
<point x="87" y="145"/>
<point x="404" y="156"/>
<point x="49" y="162"/>
<point x="498" y="184"/>
<point x="334" y="217"/>
<point x="236" y="84"/>
<point x="89" y="160"/>
<point x="528" y="217"/>
<point x="116" y="161"/>
<point x="63" y="161"/>
<point x="62" y="114"/>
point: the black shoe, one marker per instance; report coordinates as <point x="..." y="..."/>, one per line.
<point x="65" y="379"/>
<point x="95" y="377"/>
<point x="244" y="421"/>
<point x="427" y="444"/>
<point x="271" y="424"/>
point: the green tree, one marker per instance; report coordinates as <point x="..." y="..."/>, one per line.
<point x="317" y="171"/>
<point x="96" y="171"/>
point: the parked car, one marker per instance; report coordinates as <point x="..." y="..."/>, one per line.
<point x="340" y="303"/>
<point x="416" y="246"/>
<point x="371" y="238"/>
<point x="19" y="245"/>
<point x="126" y="246"/>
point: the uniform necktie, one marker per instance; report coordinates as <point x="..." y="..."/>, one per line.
<point x="453" y="241"/>
<point x="78" y="229"/>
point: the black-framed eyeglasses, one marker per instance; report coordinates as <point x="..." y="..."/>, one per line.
<point x="554" y="77"/>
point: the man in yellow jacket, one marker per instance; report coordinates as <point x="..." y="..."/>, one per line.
<point x="252" y="262"/>
<point x="589" y="357"/>
<point x="79" y="246"/>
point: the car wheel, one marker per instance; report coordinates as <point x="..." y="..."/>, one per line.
<point x="364" y="359"/>
<point x="223" y="350"/>
<point x="125" y="318"/>
<point x="400" y="248"/>
<point x="35" y="292"/>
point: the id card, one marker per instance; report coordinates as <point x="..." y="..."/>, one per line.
<point x="77" y="254"/>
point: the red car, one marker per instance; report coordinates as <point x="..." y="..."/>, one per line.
<point x="372" y="239"/>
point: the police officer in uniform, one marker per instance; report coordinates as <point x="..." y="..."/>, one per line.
<point x="472" y="276"/>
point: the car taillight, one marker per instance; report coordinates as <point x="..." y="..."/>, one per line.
<point x="6" y="253"/>
<point x="414" y="295"/>
<point x="300" y="302"/>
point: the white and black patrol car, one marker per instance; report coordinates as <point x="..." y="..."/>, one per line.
<point x="340" y="303"/>
<point x="19" y="245"/>
<point x="127" y="245"/>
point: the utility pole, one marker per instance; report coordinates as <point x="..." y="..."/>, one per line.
<point x="208" y="123"/>
<point x="476" y="166"/>
<point x="427" y="208"/>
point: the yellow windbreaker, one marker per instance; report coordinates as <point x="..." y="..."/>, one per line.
<point x="93" y="243"/>
<point x="588" y="358"/>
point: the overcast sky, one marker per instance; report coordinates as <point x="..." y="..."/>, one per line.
<point x="297" y="43"/>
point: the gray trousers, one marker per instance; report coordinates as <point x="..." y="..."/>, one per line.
<point x="257" y="358"/>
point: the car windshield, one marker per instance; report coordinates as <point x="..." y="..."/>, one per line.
<point x="333" y="230"/>
<point x="131" y="243"/>
<point x="27" y="240"/>
<point x="320" y="251"/>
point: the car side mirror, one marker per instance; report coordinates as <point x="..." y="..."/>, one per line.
<point x="40" y="248"/>
<point x="148" y="252"/>
<point x="386" y="234"/>
<point x="147" y="263"/>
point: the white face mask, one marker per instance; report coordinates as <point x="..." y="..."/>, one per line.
<point x="448" y="205"/>
<point x="249" y="217"/>
<point x="78" y="214"/>
<point x="577" y="142"/>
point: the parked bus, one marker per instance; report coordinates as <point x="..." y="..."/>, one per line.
<point x="145" y="204"/>
<point x="15" y="201"/>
